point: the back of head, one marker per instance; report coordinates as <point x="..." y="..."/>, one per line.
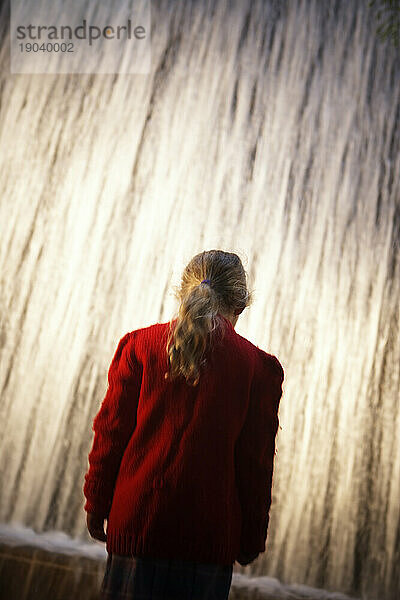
<point x="214" y="283"/>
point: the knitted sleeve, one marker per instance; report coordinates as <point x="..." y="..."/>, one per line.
<point x="113" y="426"/>
<point x="255" y="451"/>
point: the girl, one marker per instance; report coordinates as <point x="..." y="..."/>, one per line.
<point x="182" y="458"/>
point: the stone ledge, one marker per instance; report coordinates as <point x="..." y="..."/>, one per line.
<point x="28" y="573"/>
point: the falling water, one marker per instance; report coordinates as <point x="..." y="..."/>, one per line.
<point x="266" y="128"/>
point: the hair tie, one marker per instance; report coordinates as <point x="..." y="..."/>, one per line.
<point x="206" y="281"/>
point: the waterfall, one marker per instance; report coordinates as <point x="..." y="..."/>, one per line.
<point x="266" y="128"/>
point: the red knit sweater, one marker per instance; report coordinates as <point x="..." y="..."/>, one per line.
<point x="181" y="471"/>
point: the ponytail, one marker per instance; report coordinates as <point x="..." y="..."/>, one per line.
<point x="213" y="282"/>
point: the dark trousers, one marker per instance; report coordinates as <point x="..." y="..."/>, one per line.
<point x="143" y="578"/>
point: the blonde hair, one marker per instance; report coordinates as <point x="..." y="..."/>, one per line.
<point x="201" y="304"/>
